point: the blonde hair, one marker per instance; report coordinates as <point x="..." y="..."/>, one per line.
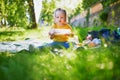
<point x="62" y="10"/>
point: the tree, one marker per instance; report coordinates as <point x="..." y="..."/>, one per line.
<point x="87" y="17"/>
<point x="3" y="13"/>
<point x="16" y="15"/>
<point x="13" y="14"/>
<point x="32" y="14"/>
<point x="47" y="10"/>
<point x="19" y="13"/>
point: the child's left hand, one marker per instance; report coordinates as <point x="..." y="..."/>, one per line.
<point x="67" y="34"/>
<point x="71" y="35"/>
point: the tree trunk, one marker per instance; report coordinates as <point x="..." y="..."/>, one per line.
<point x="32" y="14"/>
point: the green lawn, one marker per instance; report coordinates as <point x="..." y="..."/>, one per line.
<point x="83" y="64"/>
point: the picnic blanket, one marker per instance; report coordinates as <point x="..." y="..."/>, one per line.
<point x="16" y="46"/>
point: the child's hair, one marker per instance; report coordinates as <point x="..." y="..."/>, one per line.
<point x="62" y="10"/>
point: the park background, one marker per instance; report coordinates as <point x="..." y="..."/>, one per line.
<point x="24" y="19"/>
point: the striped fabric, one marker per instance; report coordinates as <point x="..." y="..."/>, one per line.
<point x="61" y="33"/>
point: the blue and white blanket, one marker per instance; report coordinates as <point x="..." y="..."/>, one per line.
<point x="16" y="46"/>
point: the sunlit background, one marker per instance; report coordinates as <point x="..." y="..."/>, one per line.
<point x="79" y="62"/>
<point x="69" y="5"/>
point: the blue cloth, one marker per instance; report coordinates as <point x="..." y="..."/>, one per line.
<point x="105" y="33"/>
<point x="116" y="35"/>
<point x="56" y="45"/>
<point x="118" y="31"/>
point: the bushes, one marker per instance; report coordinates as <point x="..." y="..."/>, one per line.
<point x="103" y="16"/>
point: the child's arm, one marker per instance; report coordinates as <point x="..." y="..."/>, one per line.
<point x="51" y="33"/>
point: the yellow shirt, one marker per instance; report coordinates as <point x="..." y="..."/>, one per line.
<point x="61" y="32"/>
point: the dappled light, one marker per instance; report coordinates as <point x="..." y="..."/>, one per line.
<point x="69" y="4"/>
<point x="28" y="27"/>
<point x="54" y="65"/>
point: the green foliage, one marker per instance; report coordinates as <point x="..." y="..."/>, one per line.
<point x="11" y="34"/>
<point x="107" y="3"/>
<point x="17" y="14"/>
<point x="3" y="12"/>
<point x="83" y="64"/>
<point x="87" y="17"/>
<point x="88" y="3"/>
<point x="18" y="33"/>
<point x="47" y="10"/>
<point x="13" y="14"/>
<point x="83" y="31"/>
<point x="103" y="16"/>
<point x="76" y="11"/>
<point x="97" y="64"/>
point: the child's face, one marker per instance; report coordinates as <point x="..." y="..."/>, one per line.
<point x="60" y="18"/>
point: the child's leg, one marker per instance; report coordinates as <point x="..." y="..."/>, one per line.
<point x="55" y="45"/>
<point x="65" y="44"/>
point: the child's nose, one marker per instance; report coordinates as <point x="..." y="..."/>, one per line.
<point x="59" y="19"/>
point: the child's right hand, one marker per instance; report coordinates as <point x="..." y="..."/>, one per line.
<point x="52" y="36"/>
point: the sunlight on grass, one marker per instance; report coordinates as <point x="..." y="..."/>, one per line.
<point x="90" y="57"/>
<point x="107" y="65"/>
<point x="41" y="34"/>
<point x="82" y="64"/>
<point x="72" y="65"/>
<point x="11" y="34"/>
<point x="69" y="55"/>
<point x="12" y="29"/>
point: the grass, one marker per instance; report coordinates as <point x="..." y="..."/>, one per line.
<point x="90" y="64"/>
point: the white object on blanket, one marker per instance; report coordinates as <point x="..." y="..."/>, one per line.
<point x="96" y="41"/>
<point x="60" y="31"/>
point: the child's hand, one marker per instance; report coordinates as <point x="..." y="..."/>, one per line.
<point x="52" y="36"/>
<point x="51" y="32"/>
<point x="71" y="35"/>
<point x="67" y="34"/>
